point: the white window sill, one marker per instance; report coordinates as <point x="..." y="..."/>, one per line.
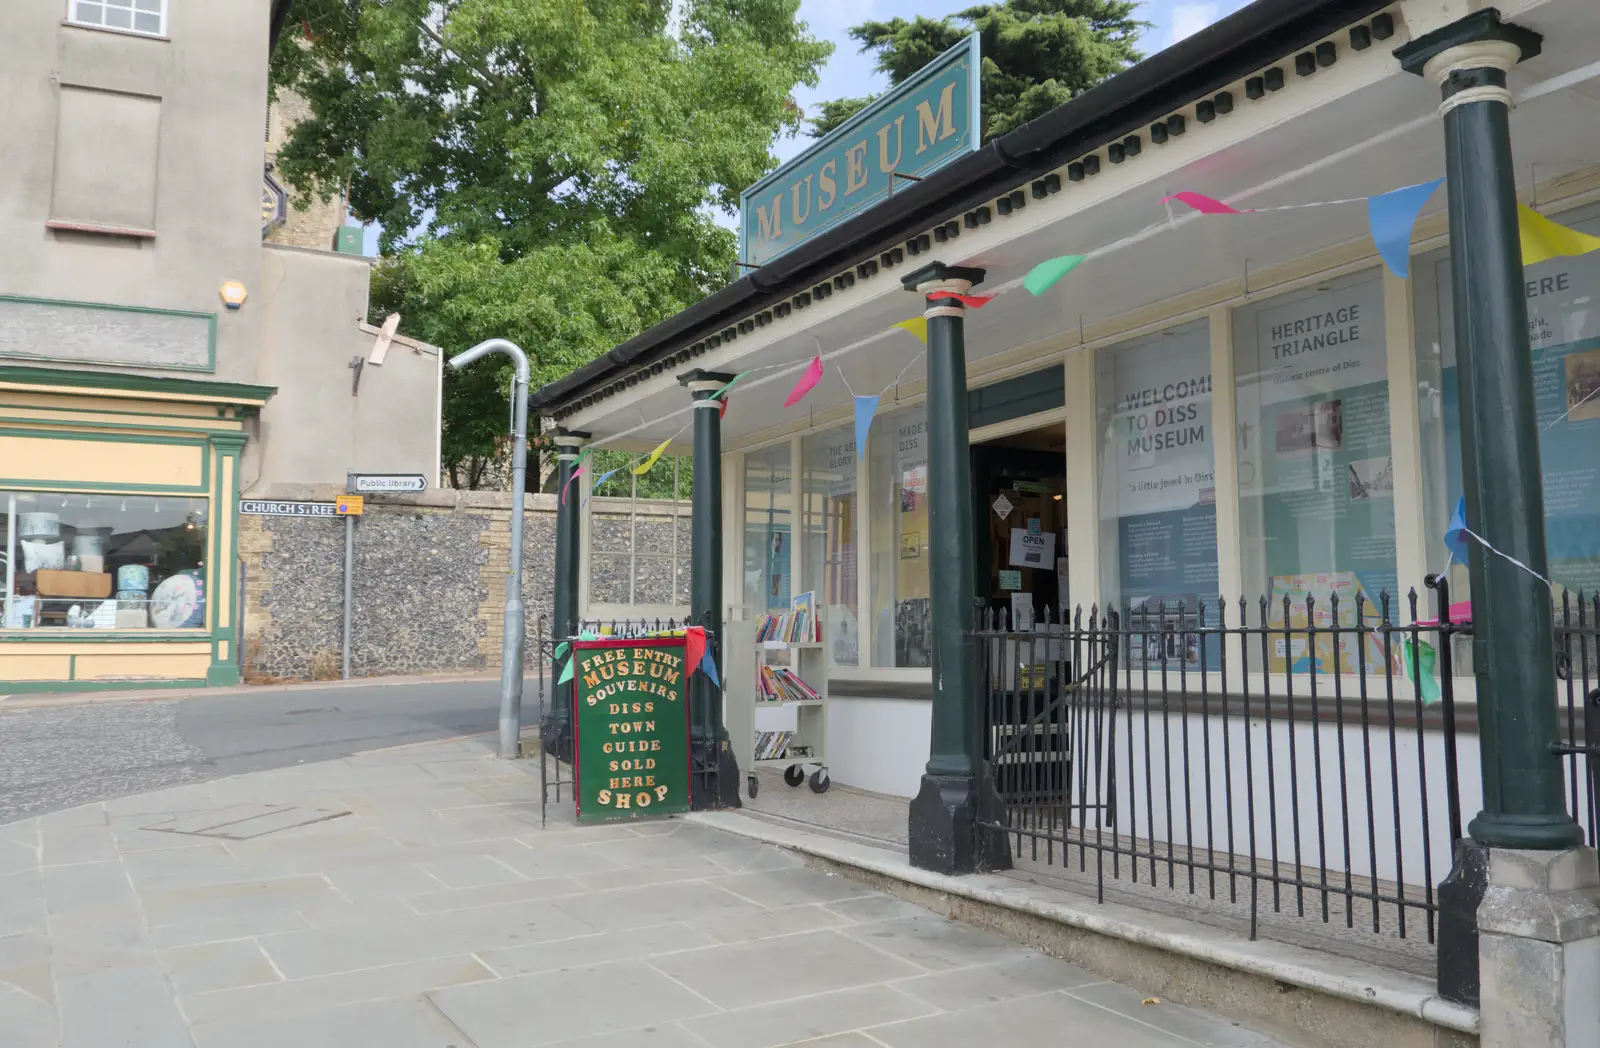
<point x="109" y="231"/>
<point x="70" y="24"/>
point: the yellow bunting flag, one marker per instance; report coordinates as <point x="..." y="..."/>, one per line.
<point x="650" y="460"/>
<point x="1543" y="239"/>
<point x="918" y="326"/>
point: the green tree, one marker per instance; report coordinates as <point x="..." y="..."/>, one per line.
<point x="1037" y="54"/>
<point x="544" y="170"/>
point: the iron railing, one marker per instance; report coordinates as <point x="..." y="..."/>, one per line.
<point x="1285" y="761"/>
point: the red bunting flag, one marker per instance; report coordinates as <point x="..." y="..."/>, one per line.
<point x="972" y="301"/>
<point x="694" y="647"/>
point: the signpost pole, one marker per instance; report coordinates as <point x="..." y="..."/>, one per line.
<point x="349" y="565"/>
<point x="514" y="636"/>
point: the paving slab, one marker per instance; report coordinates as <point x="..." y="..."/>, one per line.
<point x="437" y="913"/>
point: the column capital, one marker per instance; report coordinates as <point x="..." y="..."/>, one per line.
<point x="570" y="440"/>
<point x="703" y="383"/>
<point x="1478" y="41"/>
<point x="936" y="276"/>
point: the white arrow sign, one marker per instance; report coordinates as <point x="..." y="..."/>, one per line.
<point x="386" y="483"/>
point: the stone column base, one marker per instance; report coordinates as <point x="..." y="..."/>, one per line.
<point x="947" y="827"/>
<point x="1539" y="950"/>
<point x="716" y="777"/>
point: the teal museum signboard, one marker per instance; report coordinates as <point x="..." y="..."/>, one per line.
<point x="915" y="129"/>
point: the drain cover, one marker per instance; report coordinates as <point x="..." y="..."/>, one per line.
<point x="242" y="822"/>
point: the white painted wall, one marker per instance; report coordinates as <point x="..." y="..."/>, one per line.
<point x="879" y="744"/>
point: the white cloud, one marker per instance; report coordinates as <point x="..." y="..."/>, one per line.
<point x="1189" y="19"/>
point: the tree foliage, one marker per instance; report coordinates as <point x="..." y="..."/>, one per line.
<point x="544" y="170"/>
<point x="1037" y="54"/>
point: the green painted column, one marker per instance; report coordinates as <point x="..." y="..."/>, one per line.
<point x="555" y="731"/>
<point x="957" y="795"/>
<point x="227" y="567"/>
<point x="1513" y="637"/>
<point x="714" y="771"/>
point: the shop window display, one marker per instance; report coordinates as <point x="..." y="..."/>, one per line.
<point x="767" y="530"/>
<point x="1316" y="474"/>
<point x="1158" y="505"/>
<point x="105" y="562"/>
<point x="828" y="491"/>
<point x="902" y="626"/>
<point x="1564" y="345"/>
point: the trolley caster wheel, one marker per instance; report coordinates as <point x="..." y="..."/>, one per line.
<point x="820" y="781"/>
<point x="794" y="775"/>
<point x="753" y="785"/>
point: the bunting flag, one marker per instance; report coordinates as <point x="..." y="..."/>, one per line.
<point x="1455" y="536"/>
<point x="971" y="301"/>
<point x="1204" y="204"/>
<point x="566" y="674"/>
<point x="561" y="649"/>
<point x="1043" y="277"/>
<point x="1420" y="658"/>
<point x="722" y="412"/>
<point x="601" y="479"/>
<point x="694" y="647"/>
<point x="1392" y="216"/>
<point x="650" y="460"/>
<point x="866" y="407"/>
<point x="808" y="381"/>
<point x="709" y="666"/>
<point x="918" y="326"/>
<point x="1543" y="239"/>
<point x="575" y="475"/>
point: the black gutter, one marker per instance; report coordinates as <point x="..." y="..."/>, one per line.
<point x="1219" y="55"/>
<point x="279" y="13"/>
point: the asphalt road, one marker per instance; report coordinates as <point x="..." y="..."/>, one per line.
<point x="62" y="756"/>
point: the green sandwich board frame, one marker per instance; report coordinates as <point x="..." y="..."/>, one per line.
<point x="631" y="715"/>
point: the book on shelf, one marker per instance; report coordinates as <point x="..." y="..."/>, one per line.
<point x="798" y="625"/>
<point x="781" y="684"/>
<point x="772" y="745"/>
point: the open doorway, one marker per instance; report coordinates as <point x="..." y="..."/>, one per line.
<point x="1020" y="483"/>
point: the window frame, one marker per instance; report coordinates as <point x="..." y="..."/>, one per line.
<point x="132" y="29"/>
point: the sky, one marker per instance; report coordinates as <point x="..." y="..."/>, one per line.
<point x="850" y="74"/>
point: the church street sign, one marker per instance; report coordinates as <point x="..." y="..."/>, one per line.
<point x="927" y="122"/>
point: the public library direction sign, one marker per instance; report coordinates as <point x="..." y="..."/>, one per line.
<point x="915" y="129"/>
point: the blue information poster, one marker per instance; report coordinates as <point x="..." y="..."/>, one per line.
<point x="1564" y="340"/>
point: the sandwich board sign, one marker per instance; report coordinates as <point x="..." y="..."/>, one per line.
<point x="631" y="714"/>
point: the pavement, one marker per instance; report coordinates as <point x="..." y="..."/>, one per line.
<point x="409" y="898"/>
<point x="61" y="751"/>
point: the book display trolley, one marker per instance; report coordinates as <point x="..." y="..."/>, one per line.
<point x="777" y="698"/>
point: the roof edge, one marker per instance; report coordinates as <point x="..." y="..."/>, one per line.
<point x="1221" y="54"/>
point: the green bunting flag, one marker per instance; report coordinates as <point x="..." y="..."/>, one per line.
<point x="566" y="674"/>
<point x="1043" y="277"/>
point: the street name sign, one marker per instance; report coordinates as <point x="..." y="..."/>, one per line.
<point x="258" y="508"/>
<point x="386" y="483"/>
<point x="630" y="703"/>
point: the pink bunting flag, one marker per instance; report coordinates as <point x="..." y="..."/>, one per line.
<point x="807" y="382"/>
<point x="575" y="475"/>
<point x="1204" y="204"/>
<point x="971" y="301"/>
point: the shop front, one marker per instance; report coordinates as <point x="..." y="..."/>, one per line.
<point x="1241" y="419"/>
<point x="119" y="510"/>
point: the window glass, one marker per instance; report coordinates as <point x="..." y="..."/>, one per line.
<point x="767" y="529"/>
<point x="901" y="614"/>
<point x="103" y="561"/>
<point x="1316" y="476"/>
<point x="140" y="16"/>
<point x="828" y="486"/>
<point x="1564" y="341"/>
<point x="1158" y="512"/>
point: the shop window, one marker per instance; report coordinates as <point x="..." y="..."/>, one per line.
<point x="902" y="620"/>
<point x="103" y="562"/>
<point x="148" y="17"/>
<point x="1158" y="512"/>
<point x="1316" y="476"/>
<point x="767" y="529"/>
<point x="828" y="493"/>
<point x="639" y="531"/>
<point x="1564" y="343"/>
